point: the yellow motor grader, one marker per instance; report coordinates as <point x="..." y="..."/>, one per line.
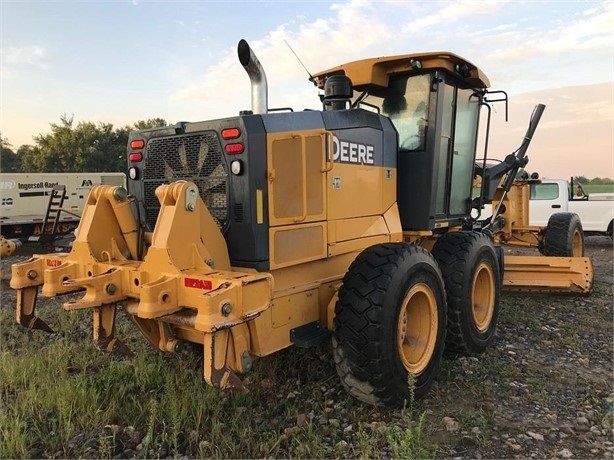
<point x="273" y="228"/>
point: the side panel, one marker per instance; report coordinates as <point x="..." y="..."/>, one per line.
<point x="296" y="177"/>
<point x="247" y="232"/>
<point x="298" y="172"/>
<point x="297" y="244"/>
<point x="362" y="178"/>
<point x="595" y="215"/>
<point x="296" y="196"/>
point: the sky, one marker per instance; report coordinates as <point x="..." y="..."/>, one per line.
<point x="123" y="61"/>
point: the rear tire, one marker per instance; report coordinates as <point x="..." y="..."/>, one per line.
<point x="389" y="326"/>
<point x="472" y="276"/>
<point x="563" y="236"/>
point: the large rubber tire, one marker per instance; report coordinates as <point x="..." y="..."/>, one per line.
<point x="389" y="325"/>
<point x="563" y="236"/>
<point x="472" y="276"/>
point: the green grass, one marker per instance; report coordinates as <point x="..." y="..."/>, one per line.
<point x="588" y="189"/>
<point x="598" y="188"/>
<point x="62" y="397"/>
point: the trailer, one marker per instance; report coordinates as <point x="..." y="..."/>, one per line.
<point x="25" y="198"/>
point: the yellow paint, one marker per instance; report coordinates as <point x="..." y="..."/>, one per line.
<point x="296" y="244"/>
<point x="548" y="274"/>
<point x="259" y="207"/>
<point x="297" y="195"/>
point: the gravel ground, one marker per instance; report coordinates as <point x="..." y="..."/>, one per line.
<point x="543" y="390"/>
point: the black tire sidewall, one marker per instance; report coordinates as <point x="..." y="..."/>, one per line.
<point x="459" y="254"/>
<point x="406" y="277"/>
<point x="558" y="235"/>
<point x="481" y="339"/>
<point x="371" y="352"/>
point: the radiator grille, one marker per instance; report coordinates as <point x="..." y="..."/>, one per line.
<point x="196" y="158"/>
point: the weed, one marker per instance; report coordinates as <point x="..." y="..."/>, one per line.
<point x="570" y="338"/>
<point x="151" y="425"/>
<point x="405" y="440"/>
<point x="14" y="439"/>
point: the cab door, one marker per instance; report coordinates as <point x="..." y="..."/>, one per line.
<point x="545" y="199"/>
<point x="457" y="146"/>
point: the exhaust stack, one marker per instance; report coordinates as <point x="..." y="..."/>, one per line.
<point x="256" y="75"/>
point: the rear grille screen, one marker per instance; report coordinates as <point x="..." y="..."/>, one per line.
<point x="196" y="158"/>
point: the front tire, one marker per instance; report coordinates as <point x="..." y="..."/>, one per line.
<point x="563" y="236"/>
<point x="389" y="325"/>
<point x="472" y="276"/>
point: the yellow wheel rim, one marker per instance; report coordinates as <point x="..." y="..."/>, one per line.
<point x="417" y="328"/>
<point x="483" y="298"/>
<point x="576" y="244"/>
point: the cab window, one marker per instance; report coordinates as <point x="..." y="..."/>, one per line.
<point x="406" y="104"/>
<point x="544" y="191"/>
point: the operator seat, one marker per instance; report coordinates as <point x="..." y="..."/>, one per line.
<point x="394" y="105"/>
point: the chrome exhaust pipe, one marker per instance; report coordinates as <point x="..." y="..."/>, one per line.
<point x="256" y="75"/>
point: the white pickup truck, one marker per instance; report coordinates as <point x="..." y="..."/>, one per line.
<point x="548" y="196"/>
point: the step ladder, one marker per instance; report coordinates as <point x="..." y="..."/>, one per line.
<point x="52" y="216"/>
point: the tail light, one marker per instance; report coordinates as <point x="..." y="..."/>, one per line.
<point x="233" y="148"/>
<point x="230" y="133"/>
<point x="135" y="157"/>
<point x="136" y="144"/>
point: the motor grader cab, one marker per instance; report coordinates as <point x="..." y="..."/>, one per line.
<point x="253" y="233"/>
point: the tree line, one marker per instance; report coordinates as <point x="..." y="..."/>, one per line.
<point x="73" y="147"/>
<point x="99" y="147"/>
<point x="594" y="181"/>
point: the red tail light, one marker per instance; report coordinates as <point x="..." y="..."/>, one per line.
<point x="136" y="157"/>
<point x="137" y="144"/>
<point x="233" y="149"/>
<point x="231" y="133"/>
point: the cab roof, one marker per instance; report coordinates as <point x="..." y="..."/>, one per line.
<point x="373" y="73"/>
